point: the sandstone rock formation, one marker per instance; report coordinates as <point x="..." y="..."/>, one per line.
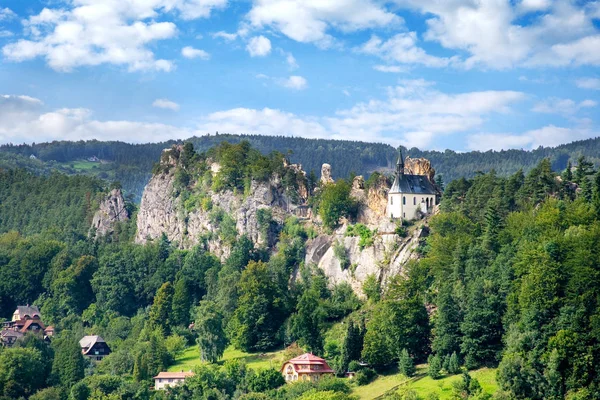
<point x="385" y="259"/>
<point x="419" y="166"/>
<point x="161" y="211"/>
<point x="112" y="210"/>
<point x="326" y="174"/>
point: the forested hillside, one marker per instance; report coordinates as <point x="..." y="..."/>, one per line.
<point x="507" y="279"/>
<point x="131" y="164"/>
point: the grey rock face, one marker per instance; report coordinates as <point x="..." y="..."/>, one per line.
<point x="160" y="212"/>
<point x="385" y="259"/>
<point x="112" y="209"/>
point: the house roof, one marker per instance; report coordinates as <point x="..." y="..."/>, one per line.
<point x="174" y="375"/>
<point x="30" y="322"/>
<point x="10" y="332"/>
<point x="28" y="310"/>
<point x="87" y="342"/>
<point x="414" y="184"/>
<point x="309" y="359"/>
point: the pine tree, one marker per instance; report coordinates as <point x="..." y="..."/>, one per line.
<point x="181" y="303"/>
<point x="567" y="174"/>
<point x="584" y="168"/>
<point x="596" y="194"/>
<point x="353" y="343"/>
<point x="435" y="367"/>
<point x="161" y="309"/>
<point x="406" y="365"/>
<point x="453" y="364"/>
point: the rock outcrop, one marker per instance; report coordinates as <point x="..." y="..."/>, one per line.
<point x="326" y="174"/>
<point x="162" y="211"/>
<point x="112" y="210"/>
<point x="385" y="259"/>
<point x="419" y="166"/>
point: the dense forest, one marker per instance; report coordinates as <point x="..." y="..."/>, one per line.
<point x="507" y="278"/>
<point x="131" y="164"/>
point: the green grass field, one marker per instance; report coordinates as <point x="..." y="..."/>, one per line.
<point x="191" y="357"/>
<point x="422" y="384"/>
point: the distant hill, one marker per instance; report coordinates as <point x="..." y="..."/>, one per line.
<point x="131" y="164"/>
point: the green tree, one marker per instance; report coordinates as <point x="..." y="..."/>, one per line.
<point x="160" y="312"/>
<point x="208" y="323"/>
<point x="335" y="202"/>
<point x="406" y="365"/>
<point x="260" y="312"/>
<point x="434" y="367"/>
<point x="353" y="344"/>
<point x="19" y="370"/>
<point x="265" y="380"/>
<point x="182" y="302"/>
<point x="69" y="364"/>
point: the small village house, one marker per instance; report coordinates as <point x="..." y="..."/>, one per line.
<point x="164" y="380"/>
<point x="306" y="367"/>
<point x="94" y="347"/>
<point x="25" y="319"/>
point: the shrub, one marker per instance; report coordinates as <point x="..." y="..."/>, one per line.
<point x="339" y="250"/>
<point x="365" y="234"/>
<point x="264" y="380"/>
<point x="354" y="366"/>
<point x="365" y="376"/>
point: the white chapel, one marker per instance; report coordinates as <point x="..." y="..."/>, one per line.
<point x="411" y="196"/>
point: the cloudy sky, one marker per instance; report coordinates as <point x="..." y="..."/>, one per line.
<point x="458" y="74"/>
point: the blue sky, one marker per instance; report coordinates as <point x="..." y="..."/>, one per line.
<point x="458" y="74"/>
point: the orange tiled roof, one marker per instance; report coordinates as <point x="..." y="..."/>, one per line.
<point x="173" y="375"/>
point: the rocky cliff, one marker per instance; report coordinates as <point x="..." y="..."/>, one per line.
<point x="163" y="210"/>
<point x="384" y="259"/>
<point x="112" y="210"/>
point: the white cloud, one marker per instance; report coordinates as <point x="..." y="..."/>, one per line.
<point x="294" y="82"/>
<point x="266" y="122"/>
<point x="565" y="107"/>
<point x="588" y="83"/>
<point x="166" y="104"/>
<point x="23" y="119"/>
<point x="413" y="113"/>
<point x="190" y="52"/>
<point x="309" y="21"/>
<point x="225" y="35"/>
<point x="390" y="68"/>
<point x="259" y="46"/>
<point x="489" y="31"/>
<point x="534" y="5"/>
<point x="94" y="32"/>
<point x="6" y="13"/>
<point x="402" y="48"/>
<point x="346" y="93"/>
<point x="291" y="61"/>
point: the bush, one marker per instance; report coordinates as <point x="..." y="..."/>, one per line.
<point x="339" y="250"/>
<point x="354" y="366"/>
<point x="264" y="380"/>
<point x="365" y="376"/>
<point x="365" y="234"/>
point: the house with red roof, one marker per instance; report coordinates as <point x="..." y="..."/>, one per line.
<point x="306" y="367"/>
